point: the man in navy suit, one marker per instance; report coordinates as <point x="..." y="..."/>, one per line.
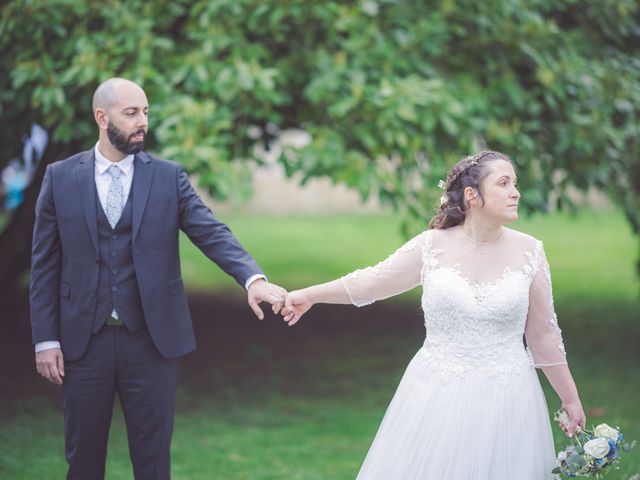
<point x="109" y="312"/>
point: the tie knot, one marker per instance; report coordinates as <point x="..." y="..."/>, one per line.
<point x="114" y="171"/>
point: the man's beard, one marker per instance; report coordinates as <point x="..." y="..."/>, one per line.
<point x="122" y="143"/>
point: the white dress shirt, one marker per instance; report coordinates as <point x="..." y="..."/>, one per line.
<point x="103" y="180"/>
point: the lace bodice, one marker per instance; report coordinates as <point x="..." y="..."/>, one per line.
<point x="478" y="300"/>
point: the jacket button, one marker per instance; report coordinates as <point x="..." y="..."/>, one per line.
<point x="114" y="255"/>
<point x="114" y="271"/>
<point x="114" y="236"/>
<point x="114" y="289"/>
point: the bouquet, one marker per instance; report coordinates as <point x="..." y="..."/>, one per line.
<point x="591" y="452"/>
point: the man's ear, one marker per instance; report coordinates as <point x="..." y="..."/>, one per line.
<point x="102" y="118"/>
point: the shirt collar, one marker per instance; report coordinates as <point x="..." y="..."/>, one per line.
<point x="103" y="163"/>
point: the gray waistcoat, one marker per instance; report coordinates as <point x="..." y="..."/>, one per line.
<point x="117" y="283"/>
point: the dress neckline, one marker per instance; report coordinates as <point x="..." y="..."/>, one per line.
<point x="490" y="242"/>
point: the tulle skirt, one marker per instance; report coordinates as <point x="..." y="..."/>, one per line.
<point x="469" y="427"/>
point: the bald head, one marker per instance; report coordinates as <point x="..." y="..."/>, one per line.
<point x="107" y="93"/>
<point x="121" y="110"/>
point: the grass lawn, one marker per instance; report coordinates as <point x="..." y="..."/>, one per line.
<point x="304" y="403"/>
<point x="590" y="254"/>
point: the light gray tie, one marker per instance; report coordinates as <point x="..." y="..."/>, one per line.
<point x="115" y="203"/>
<point x="115" y="196"/>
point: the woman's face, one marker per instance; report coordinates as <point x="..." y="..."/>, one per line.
<point x="500" y="194"/>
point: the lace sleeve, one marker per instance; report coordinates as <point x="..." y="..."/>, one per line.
<point x="543" y="335"/>
<point x="400" y="272"/>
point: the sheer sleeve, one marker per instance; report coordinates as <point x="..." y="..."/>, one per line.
<point x="400" y="272"/>
<point x="543" y="335"/>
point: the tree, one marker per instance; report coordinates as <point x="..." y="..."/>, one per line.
<point x="393" y="92"/>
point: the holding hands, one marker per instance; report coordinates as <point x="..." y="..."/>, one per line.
<point x="262" y="291"/>
<point x="290" y="305"/>
<point x="296" y="305"/>
<point x="299" y="302"/>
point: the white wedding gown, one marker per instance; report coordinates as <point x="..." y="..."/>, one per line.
<point x="469" y="406"/>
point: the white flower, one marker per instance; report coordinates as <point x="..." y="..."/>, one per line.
<point x="443" y="199"/>
<point x="562" y="457"/>
<point x="442" y="184"/>
<point x="605" y="431"/>
<point x="597" y="448"/>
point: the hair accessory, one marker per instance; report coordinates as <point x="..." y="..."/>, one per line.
<point x="473" y="159"/>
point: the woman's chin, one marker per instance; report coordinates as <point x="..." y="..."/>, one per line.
<point x="512" y="217"/>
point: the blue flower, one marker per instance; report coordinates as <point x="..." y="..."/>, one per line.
<point x="599" y="461"/>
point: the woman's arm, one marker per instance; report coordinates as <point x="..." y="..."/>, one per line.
<point x="299" y="301"/>
<point x="400" y="272"/>
<point x="562" y="382"/>
<point x="544" y="340"/>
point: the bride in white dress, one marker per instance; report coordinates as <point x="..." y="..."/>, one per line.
<point x="469" y="406"/>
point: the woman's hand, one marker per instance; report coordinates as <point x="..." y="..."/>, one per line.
<point x="577" y="418"/>
<point x="295" y="306"/>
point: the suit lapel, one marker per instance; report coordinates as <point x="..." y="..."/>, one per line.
<point x="85" y="176"/>
<point x="142" y="176"/>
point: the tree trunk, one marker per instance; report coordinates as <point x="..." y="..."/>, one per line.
<point x="15" y="239"/>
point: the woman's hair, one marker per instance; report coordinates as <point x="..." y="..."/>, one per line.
<point x="468" y="172"/>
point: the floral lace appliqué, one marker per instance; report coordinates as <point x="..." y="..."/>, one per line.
<point x="542" y="264"/>
<point x="476" y="326"/>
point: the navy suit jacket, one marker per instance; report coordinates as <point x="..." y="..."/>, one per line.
<point x="65" y="261"/>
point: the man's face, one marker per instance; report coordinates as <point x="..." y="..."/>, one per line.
<point x="126" y="144"/>
<point x="127" y="119"/>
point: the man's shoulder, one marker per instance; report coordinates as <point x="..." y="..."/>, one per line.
<point x="87" y="155"/>
<point x="73" y="160"/>
<point x="158" y="162"/>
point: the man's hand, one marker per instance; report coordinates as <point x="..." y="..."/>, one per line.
<point x="50" y="365"/>
<point x="296" y="305"/>
<point x="263" y="291"/>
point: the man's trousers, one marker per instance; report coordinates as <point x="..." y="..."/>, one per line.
<point x="117" y="361"/>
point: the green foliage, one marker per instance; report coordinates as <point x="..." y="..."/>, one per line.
<point x="392" y="92"/>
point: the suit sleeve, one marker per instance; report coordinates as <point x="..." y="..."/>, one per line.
<point x="45" y="267"/>
<point x="211" y="236"/>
